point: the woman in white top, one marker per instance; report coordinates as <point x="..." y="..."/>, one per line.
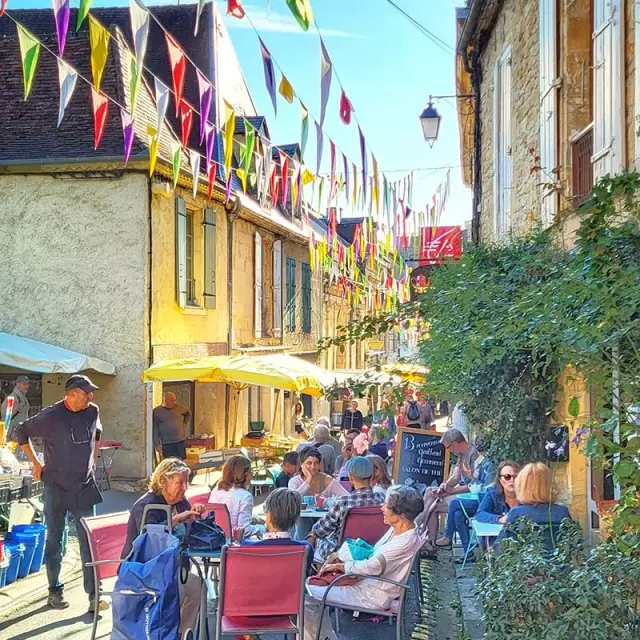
<point x="380" y="480"/>
<point x="232" y="490"/>
<point x="391" y="559"/>
<point x="311" y="481"/>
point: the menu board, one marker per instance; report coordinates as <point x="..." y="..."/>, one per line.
<point x="420" y="460"/>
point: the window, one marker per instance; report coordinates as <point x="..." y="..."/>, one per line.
<point x="291" y="295"/>
<point x="210" y="238"/>
<point x="181" y="253"/>
<point x="548" y="109"/>
<point x="257" y="271"/>
<point x="191" y="283"/>
<point x="502" y="145"/>
<point x="277" y="287"/>
<point x="306" y="298"/>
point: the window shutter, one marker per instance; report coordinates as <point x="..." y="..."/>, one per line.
<point x="181" y="253"/>
<point x="607" y="88"/>
<point x="258" y="285"/>
<point x="306" y="298"/>
<point x="502" y="145"/>
<point x="548" y="108"/>
<point x="210" y="258"/>
<point x="291" y="294"/>
<point x="277" y="287"/>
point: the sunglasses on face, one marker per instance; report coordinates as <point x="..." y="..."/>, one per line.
<point x="508" y="476"/>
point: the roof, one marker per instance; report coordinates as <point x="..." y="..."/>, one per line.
<point x="292" y="150"/>
<point x="259" y="123"/>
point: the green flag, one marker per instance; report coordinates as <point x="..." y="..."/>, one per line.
<point x="29" y="52"/>
<point x="83" y="12"/>
<point x="176" y="153"/>
<point x="246" y="153"/>
<point x="304" y="133"/>
<point x="301" y="10"/>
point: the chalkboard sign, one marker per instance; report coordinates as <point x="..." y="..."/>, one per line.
<point x="420" y="461"/>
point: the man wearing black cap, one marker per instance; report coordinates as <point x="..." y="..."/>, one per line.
<point x="69" y="431"/>
<point x="20" y="404"/>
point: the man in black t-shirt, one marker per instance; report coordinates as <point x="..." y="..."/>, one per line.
<point x="69" y="430"/>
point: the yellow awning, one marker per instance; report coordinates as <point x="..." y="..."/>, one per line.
<point x="407" y="371"/>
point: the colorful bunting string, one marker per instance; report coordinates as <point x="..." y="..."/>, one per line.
<point x="99" y="43"/>
<point x="178" y="66"/>
<point x="286" y="90"/>
<point x="269" y="75"/>
<point x="301" y="10"/>
<point x="29" y="52"/>
<point x="67" y="78"/>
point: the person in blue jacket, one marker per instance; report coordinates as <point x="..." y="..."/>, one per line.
<point x="534" y="490"/>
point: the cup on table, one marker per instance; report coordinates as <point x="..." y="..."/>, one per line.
<point x="309" y="501"/>
<point x="319" y="502"/>
<point x="237" y="534"/>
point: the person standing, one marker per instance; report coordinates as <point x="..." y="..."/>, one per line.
<point x="70" y="430"/>
<point x="170" y="422"/>
<point x="20" y="405"/>
<point x="353" y="418"/>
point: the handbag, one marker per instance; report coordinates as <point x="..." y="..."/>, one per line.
<point x="327" y="578"/>
<point x="204" y="535"/>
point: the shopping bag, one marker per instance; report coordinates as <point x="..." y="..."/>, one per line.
<point x="355" y="550"/>
<point x="146" y="603"/>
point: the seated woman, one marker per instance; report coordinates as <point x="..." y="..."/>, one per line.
<point x="380" y="480"/>
<point x="232" y="490"/>
<point x="499" y="498"/>
<point x="376" y="446"/>
<point x="534" y="490"/>
<point x="282" y="509"/>
<point x="168" y="485"/>
<point x="392" y="559"/>
<point x="311" y="481"/>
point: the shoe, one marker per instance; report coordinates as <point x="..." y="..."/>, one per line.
<point x="102" y="606"/>
<point x="443" y="543"/>
<point x="57" y="601"/>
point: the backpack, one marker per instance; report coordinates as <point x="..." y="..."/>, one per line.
<point x="413" y="412"/>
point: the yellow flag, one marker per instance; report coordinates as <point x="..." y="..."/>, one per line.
<point x="286" y="90"/>
<point x="307" y="177"/>
<point x="229" y="131"/>
<point x="99" y="41"/>
<point x="152" y="134"/>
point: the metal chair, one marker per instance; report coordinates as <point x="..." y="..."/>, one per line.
<point x="249" y="578"/>
<point x="222" y="516"/>
<point x="366" y="523"/>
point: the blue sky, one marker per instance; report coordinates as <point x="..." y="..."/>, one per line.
<point x="387" y="67"/>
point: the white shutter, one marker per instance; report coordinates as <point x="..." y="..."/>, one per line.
<point x="181" y="253"/>
<point x="258" y="286"/>
<point x="277" y="287"/>
<point x="548" y="109"/>
<point x="502" y="145"/>
<point x="209" y="258"/>
<point x="608" y="125"/>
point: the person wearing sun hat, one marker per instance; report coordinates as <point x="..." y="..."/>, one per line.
<point x="70" y="431"/>
<point x="324" y="534"/>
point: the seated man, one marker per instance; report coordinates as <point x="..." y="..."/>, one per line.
<point x="324" y="534"/>
<point x="282" y="509"/>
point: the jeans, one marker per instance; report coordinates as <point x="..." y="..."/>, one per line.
<point x="457" y="521"/>
<point x="55" y="514"/>
<point x="174" y="450"/>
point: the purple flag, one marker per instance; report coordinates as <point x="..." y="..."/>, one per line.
<point x="228" y="194"/>
<point x="320" y="140"/>
<point x="363" y="153"/>
<point x="127" y="132"/>
<point x="206" y="91"/>
<point x="211" y="138"/>
<point x="61" y="14"/>
<point x="346" y="176"/>
<point x="325" y="80"/>
<point x="269" y="75"/>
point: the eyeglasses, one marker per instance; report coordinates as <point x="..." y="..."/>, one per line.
<point x="509" y="476"/>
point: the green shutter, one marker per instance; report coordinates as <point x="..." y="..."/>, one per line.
<point x="181" y="253"/>
<point x="209" y="258"/>
<point x="306" y="298"/>
<point x="291" y="294"/>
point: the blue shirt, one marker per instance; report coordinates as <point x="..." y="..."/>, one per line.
<point x="283" y="542"/>
<point x="493" y="506"/>
<point x="379" y="449"/>
<point x="548" y="516"/>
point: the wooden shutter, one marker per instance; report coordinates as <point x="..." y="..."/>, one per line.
<point x="306" y="298"/>
<point x="548" y="109"/>
<point x="291" y="294"/>
<point x="277" y="287"/>
<point x="502" y="145"/>
<point x="210" y="236"/>
<point x="258" y="285"/>
<point x="608" y="86"/>
<point x="181" y="253"/>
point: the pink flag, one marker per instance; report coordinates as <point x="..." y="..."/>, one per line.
<point x="346" y="108"/>
<point x="284" y="163"/>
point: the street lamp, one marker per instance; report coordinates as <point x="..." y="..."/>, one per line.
<point x="430" y="118"/>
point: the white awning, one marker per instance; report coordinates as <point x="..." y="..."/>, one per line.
<point x="39" y="357"/>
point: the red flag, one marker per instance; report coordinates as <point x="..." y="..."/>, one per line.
<point x="186" y="119"/>
<point x="345" y="108"/>
<point x="178" y="66"/>
<point x="3" y="6"/>
<point x="234" y="7"/>
<point x="100" y="106"/>
<point x="212" y="178"/>
<point x="274" y="184"/>
<point x="284" y="163"/>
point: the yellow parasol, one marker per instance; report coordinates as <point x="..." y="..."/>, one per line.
<point x="407" y="371"/>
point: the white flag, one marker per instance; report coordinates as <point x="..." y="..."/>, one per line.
<point x="162" y="102"/>
<point x="67" y="78"/>
<point x="259" y="164"/>
<point x="194" y="158"/>
<point x="140" y="28"/>
<point x="198" y="14"/>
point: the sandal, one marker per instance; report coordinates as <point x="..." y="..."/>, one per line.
<point x="440" y="545"/>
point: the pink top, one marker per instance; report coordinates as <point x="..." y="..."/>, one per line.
<point x="299" y="484"/>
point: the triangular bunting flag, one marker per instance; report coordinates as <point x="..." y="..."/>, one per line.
<point x="162" y="102"/>
<point x="211" y="180"/>
<point x="176" y="157"/>
<point x="345" y="162"/>
<point x="307" y="177"/>
<point x="134" y="81"/>
<point x="3" y="6"/>
<point x="140" y="29"/>
<point x="152" y="136"/>
<point x="250" y="135"/>
<point x="201" y="4"/>
<point x="319" y="144"/>
<point x="346" y="108"/>
<point x="325" y="80"/>
<point x="363" y="153"/>
<point x="127" y="133"/>
<point x="206" y="92"/>
<point x="186" y="121"/>
<point x="100" y="105"/>
<point x="67" y="78"/>
<point x="304" y="129"/>
<point x="83" y="12"/>
<point x="301" y="10"/>
<point x="99" y="43"/>
<point x="194" y="161"/>
<point x="211" y="143"/>
<point x="273" y="184"/>
<point x="355" y="185"/>
<point x="229" y="131"/>
<point x="376" y="185"/>
<point x="286" y="90"/>
<point x="259" y="178"/>
<point x="29" y="52"/>
<point x="61" y="11"/>
<point x="234" y="8"/>
<point x="269" y="75"/>
<point x="178" y="65"/>
<point x="332" y="174"/>
<point x="284" y="170"/>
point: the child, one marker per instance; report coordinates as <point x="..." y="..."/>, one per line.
<point x="289" y="469"/>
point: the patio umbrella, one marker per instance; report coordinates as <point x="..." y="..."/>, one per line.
<point x="407" y="371"/>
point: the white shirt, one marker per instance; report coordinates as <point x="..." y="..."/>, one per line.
<point x="240" y="504"/>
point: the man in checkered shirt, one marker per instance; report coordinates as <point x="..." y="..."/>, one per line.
<point x="325" y="533"/>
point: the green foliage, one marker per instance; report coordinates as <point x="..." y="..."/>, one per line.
<point x="569" y="593"/>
